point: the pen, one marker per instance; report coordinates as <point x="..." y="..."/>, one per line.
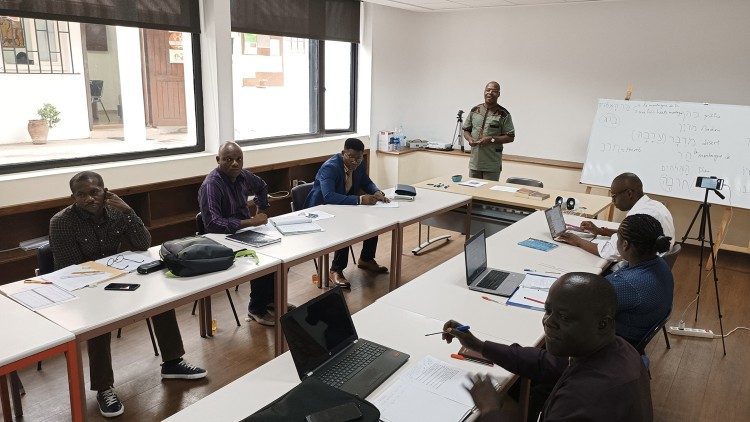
<point x="491" y="300"/>
<point x="462" y="357"/>
<point x="533" y="300"/>
<point x="87" y="272"/>
<point x="461" y="328"/>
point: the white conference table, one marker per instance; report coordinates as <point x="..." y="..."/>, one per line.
<point x="29" y="338"/>
<point x="393" y="327"/>
<point x="97" y="311"/>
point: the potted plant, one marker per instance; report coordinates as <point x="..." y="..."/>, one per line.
<point x="39" y="128"/>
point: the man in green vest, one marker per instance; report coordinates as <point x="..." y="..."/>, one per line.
<point x="487" y="128"/>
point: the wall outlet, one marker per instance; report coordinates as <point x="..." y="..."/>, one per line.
<point x="692" y="332"/>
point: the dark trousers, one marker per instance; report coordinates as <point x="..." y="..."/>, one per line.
<point x="100" y="357"/>
<point x="261" y="294"/>
<point x="341" y="256"/>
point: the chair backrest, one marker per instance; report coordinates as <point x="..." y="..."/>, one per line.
<point x="641" y="346"/>
<point x="200" y="228"/>
<point x="299" y="194"/>
<point x="671" y="256"/>
<point x="96" y="86"/>
<point x="524" y="181"/>
<point x="45" y="261"/>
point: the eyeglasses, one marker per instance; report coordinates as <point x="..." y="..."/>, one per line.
<point x="614" y="195"/>
<point x="357" y="159"/>
<point x="120" y="258"/>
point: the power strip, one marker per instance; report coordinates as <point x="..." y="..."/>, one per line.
<point x="692" y="332"/>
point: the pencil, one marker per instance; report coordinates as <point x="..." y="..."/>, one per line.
<point x="30" y="281"/>
<point x="533" y="300"/>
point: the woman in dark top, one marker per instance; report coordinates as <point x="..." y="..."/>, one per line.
<point x="644" y="286"/>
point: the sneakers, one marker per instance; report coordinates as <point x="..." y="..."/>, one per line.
<point x="181" y="370"/>
<point x="262" y="319"/>
<point x="271" y="308"/>
<point x="372" y="266"/>
<point x="109" y="404"/>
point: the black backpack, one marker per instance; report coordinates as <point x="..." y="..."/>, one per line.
<point x="195" y="255"/>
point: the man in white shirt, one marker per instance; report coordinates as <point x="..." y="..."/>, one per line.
<point x="627" y="195"/>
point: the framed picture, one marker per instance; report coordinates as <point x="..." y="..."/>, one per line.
<point x="96" y="37"/>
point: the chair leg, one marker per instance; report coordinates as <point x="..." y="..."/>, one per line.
<point x="315" y="262"/>
<point x="105" y="111"/>
<point x="195" y="305"/>
<point x="119" y="332"/>
<point x="16" y="391"/>
<point x="354" y="260"/>
<point x="666" y="338"/>
<point x="237" y="288"/>
<point x="39" y="366"/>
<point x="151" y="334"/>
<point x="234" y="311"/>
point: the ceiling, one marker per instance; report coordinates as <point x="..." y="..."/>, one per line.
<point x="431" y="5"/>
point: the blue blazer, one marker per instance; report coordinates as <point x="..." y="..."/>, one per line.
<point x="329" y="184"/>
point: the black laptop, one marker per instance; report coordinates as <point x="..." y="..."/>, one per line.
<point x="324" y="345"/>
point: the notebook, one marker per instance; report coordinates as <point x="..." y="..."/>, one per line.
<point x="325" y="345"/>
<point x="483" y="279"/>
<point x="253" y="238"/>
<point x="295" y="224"/>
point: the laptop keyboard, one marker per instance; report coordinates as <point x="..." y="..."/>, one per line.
<point x="351" y="364"/>
<point x="493" y="280"/>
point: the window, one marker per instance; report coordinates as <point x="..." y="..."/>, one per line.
<point x="275" y="86"/>
<point x="116" y="90"/>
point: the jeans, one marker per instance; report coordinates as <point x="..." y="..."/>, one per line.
<point x="261" y="294"/>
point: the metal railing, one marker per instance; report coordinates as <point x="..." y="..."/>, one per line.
<point x="35" y="46"/>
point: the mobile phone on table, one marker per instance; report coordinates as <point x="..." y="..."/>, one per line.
<point x="342" y="413"/>
<point x="125" y="287"/>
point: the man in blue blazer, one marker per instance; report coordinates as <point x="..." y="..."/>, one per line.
<point x="339" y="181"/>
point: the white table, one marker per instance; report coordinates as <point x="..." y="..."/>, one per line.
<point x="393" y="327"/>
<point x="28" y="338"/>
<point x="98" y="311"/>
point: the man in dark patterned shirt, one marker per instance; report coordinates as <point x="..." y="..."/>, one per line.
<point x="95" y="226"/>
<point x="223" y="202"/>
<point x="600" y="377"/>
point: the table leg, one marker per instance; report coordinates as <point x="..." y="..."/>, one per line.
<point x="15" y="394"/>
<point x="467" y="222"/>
<point x="5" y="398"/>
<point x="208" y="317"/>
<point x="75" y="381"/>
<point x="319" y="261"/>
<point x="201" y="318"/>
<point x="326" y="265"/>
<point x="396" y="251"/>
<point x="280" y="298"/>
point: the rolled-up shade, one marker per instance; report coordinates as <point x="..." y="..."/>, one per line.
<point x="335" y="20"/>
<point x="174" y="15"/>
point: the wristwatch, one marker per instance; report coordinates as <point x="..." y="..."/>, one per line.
<point x="492" y="140"/>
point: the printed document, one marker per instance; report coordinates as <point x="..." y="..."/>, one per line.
<point x="500" y="188"/>
<point x="42" y="297"/>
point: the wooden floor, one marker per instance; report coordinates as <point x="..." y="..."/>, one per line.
<point x="692" y="381"/>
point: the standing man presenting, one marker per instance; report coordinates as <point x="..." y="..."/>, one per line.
<point x="487" y="128"/>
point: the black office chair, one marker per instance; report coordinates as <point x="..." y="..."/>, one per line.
<point x="97" y="88"/>
<point x="524" y="181"/>
<point x="200" y="228"/>
<point x="299" y="195"/>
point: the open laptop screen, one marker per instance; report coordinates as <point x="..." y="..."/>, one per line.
<point x="475" y="253"/>
<point x="555" y="220"/>
<point x="318" y="330"/>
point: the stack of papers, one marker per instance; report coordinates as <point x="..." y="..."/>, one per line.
<point x="472" y="183"/>
<point x="525" y="297"/>
<point x="501" y="188"/>
<point x="431" y="390"/>
<point x="295" y="224"/>
<point x="42" y="297"/>
<point x="538" y="281"/>
<point x="75" y="277"/>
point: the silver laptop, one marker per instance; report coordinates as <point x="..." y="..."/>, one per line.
<point x="557" y="226"/>
<point x="483" y="279"/>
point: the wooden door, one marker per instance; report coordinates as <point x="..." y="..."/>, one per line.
<point x="164" y="82"/>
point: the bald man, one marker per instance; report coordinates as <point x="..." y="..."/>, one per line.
<point x="487" y="128"/>
<point x="224" y="209"/>
<point x="599" y="376"/>
<point x="627" y="195"/>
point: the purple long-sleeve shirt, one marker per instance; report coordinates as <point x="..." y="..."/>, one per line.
<point x="223" y="203"/>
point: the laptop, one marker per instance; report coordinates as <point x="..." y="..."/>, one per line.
<point x="253" y="239"/>
<point x="483" y="279"/>
<point x="325" y="345"/>
<point x="557" y="226"/>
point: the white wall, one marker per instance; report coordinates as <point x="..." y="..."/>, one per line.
<point x="553" y="62"/>
<point x="23" y="95"/>
<point x="103" y="66"/>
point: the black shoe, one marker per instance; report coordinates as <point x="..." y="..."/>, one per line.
<point x="109" y="404"/>
<point x="181" y="370"/>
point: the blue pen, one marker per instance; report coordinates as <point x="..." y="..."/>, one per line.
<point x="461" y="328"/>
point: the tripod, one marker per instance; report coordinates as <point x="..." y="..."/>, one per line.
<point x="704" y="210"/>
<point x="457" y="132"/>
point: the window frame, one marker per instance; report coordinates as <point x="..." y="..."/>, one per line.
<point x="317" y="99"/>
<point x="200" y="140"/>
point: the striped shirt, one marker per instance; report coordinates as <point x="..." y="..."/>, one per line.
<point x="75" y="237"/>
<point x="223" y="203"/>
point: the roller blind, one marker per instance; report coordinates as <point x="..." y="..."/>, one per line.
<point x="174" y="15"/>
<point x="334" y="20"/>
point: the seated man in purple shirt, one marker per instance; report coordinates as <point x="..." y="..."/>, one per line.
<point x="223" y="203"/>
<point x="600" y="377"/>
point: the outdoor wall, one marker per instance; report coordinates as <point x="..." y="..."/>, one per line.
<point x="24" y="94"/>
<point x="103" y="66"/>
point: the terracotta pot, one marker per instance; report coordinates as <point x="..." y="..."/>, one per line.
<point x="38" y="129"/>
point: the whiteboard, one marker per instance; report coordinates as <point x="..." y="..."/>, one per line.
<point x="669" y="144"/>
